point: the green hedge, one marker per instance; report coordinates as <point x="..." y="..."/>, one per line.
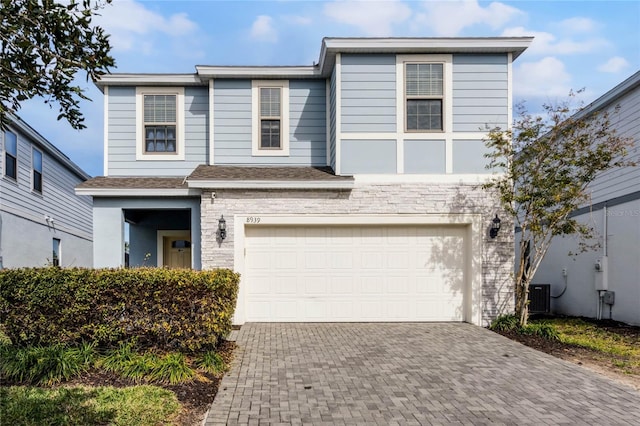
<point x="166" y="309"/>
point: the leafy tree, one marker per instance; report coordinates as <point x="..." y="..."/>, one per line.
<point x="548" y="162"/>
<point x="43" y="45"/>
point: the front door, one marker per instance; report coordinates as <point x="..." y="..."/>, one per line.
<point x="177" y="251"/>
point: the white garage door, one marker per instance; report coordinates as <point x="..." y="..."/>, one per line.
<point x="354" y="273"/>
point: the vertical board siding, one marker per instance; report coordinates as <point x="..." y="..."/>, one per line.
<point x="58" y="199"/>
<point x="480" y="92"/>
<point x="622" y="181"/>
<point x="424" y="156"/>
<point x="368" y="156"/>
<point x="122" y="135"/>
<point x="307" y="124"/>
<point x="368" y="93"/>
<point x="332" y="129"/>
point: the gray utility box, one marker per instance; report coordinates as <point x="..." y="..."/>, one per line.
<point x="609" y="297"/>
<point x="540" y="298"/>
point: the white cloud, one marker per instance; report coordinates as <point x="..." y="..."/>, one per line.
<point x="296" y="20"/>
<point x="577" y="25"/>
<point x="262" y="29"/>
<point x="545" y="43"/>
<point x="131" y="24"/>
<point x="614" y="65"/>
<point x="373" y="18"/>
<point x="449" y="18"/>
<point x="544" y="78"/>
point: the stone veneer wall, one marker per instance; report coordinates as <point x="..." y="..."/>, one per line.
<point x="414" y="198"/>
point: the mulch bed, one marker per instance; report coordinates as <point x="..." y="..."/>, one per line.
<point x="602" y="363"/>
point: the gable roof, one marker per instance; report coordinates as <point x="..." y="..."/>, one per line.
<point x="330" y="47"/>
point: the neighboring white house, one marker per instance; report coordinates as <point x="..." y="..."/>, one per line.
<point x="42" y="221"/>
<point x="578" y="283"/>
<point x="342" y="191"/>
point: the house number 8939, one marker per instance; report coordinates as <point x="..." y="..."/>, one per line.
<point x="253" y="219"/>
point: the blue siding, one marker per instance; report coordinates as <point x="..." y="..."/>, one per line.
<point x="122" y="135"/>
<point x="307" y="124"/>
<point x="468" y="156"/>
<point x="368" y="94"/>
<point x="427" y="156"/>
<point x="480" y="91"/>
<point x="57" y="200"/>
<point x="368" y="156"/>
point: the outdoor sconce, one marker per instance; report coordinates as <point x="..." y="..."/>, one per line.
<point x="495" y="227"/>
<point x="222" y="228"/>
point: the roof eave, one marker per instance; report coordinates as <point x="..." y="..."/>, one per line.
<point x="269" y="184"/>
<point x="148" y="79"/>
<point x="254" y="72"/>
<point x="138" y="192"/>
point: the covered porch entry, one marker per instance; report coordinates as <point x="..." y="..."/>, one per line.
<point x="162" y="232"/>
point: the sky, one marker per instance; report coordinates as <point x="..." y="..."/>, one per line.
<point x="590" y="45"/>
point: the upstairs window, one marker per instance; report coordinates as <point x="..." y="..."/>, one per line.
<point x="160" y="123"/>
<point x="10" y="155"/>
<point x="270" y="115"/>
<point x="36" y="159"/>
<point x="424" y="96"/>
<point x="270" y="118"/>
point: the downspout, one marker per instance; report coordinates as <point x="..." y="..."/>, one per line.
<point x="605" y="252"/>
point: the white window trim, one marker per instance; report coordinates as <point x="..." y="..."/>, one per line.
<point x="447" y="98"/>
<point x="255" y="118"/>
<point x="180" y="131"/>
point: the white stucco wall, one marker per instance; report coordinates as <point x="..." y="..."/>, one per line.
<point x="28" y="242"/>
<point x="623" y="274"/>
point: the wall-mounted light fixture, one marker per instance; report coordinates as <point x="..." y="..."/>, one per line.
<point x="495" y="227"/>
<point x="222" y="228"/>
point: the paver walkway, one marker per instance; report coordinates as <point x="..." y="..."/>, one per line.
<point x="444" y="374"/>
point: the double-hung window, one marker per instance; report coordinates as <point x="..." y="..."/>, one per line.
<point x="270" y="106"/>
<point x="160" y="123"/>
<point x="36" y="159"/>
<point x="10" y="155"/>
<point x="424" y="97"/>
<point x="270" y="118"/>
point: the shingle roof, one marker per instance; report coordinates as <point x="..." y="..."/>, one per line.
<point x="134" y="183"/>
<point x="240" y="173"/>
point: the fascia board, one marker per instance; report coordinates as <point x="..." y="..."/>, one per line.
<point x="138" y="192"/>
<point x="206" y="71"/>
<point x="266" y="184"/>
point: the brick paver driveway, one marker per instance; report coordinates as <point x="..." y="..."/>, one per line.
<point x="408" y="374"/>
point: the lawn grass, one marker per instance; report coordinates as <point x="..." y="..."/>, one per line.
<point x="625" y="347"/>
<point x="131" y="406"/>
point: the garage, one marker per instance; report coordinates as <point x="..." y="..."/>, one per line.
<point x="348" y="273"/>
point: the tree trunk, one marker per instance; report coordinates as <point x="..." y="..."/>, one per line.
<point x="522" y="300"/>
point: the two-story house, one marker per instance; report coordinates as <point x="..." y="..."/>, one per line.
<point x="42" y="221"/>
<point x="343" y="191"/>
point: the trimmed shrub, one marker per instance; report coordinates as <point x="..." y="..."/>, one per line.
<point x="165" y="309"/>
